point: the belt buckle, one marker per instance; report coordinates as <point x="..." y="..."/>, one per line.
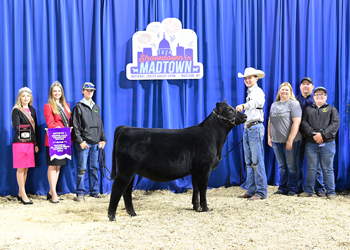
<point x="252" y="124"/>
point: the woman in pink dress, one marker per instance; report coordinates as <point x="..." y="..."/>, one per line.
<point x="25" y="140"/>
<point x="57" y="115"/>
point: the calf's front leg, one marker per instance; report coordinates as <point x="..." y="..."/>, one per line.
<point x="195" y="195"/>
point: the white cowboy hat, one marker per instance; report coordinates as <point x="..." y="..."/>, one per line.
<point x="252" y="72"/>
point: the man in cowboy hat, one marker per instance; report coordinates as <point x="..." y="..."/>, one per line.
<point x="305" y="99"/>
<point x="256" y="182"/>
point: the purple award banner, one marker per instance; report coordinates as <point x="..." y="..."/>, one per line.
<point x="60" y="143"/>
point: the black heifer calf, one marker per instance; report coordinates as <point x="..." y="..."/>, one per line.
<point x="169" y="154"/>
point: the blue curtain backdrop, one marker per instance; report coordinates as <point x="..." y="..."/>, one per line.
<point x="76" y="41"/>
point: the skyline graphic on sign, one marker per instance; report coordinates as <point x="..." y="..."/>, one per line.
<point x="164" y="51"/>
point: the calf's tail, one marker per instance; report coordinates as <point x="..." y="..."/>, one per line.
<point x="114" y="157"/>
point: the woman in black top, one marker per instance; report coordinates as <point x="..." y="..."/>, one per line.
<point x="24" y="145"/>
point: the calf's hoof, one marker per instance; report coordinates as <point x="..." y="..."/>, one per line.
<point x="197" y="208"/>
<point x="132" y="213"/>
<point x="111" y="217"/>
<point x="206" y="209"/>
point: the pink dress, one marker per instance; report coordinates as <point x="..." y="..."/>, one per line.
<point x="23" y="154"/>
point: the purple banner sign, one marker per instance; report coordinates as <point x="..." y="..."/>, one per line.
<point x="164" y="51"/>
<point x="60" y="143"/>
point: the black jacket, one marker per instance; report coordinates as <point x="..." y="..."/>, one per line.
<point x="324" y="120"/>
<point x="87" y="124"/>
<point x="18" y="118"/>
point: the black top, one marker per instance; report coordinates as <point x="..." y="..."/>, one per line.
<point x="87" y="124"/>
<point x="18" y="118"/>
<point x="324" y="120"/>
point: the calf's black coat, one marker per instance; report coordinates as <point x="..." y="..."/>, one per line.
<point x="168" y="154"/>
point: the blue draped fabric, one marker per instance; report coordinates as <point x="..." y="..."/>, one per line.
<point x="76" y="41"/>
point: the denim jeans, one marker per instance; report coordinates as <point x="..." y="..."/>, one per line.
<point x="288" y="166"/>
<point x="316" y="155"/>
<point x="88" y="156"/>
<point x="319" y="187"/>
<point x="256" y="182"/>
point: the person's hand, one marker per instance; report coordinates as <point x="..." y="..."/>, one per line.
<point x="318" y="138"/>
<point x="270" y="142"/>
<point x="289" y="144"/>
<point x="103" y="144"/>
<point x="36" y="149"/>
<point x="240" y="108"/>
<point x="83" y="145"/>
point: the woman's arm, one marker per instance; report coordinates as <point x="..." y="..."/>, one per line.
<point x="269" y="134"/>
<point x="293" y="132"/>
<point x="49" y="117"/>
<point x="16" y="121"/>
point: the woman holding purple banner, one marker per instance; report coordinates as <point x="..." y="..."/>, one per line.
<point x="57" y="115"/>
<point x="24" y="142"/>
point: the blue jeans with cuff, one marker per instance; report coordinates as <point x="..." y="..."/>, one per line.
<point x="256" y="182"/>
<point x="317" y="154"/>
<point x="89" y="157"/>
<point x="319" y="187"/>
<point x="288" y="166"/>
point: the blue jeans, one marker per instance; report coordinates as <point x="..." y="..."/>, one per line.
<point x="288" y="170"/>
<point x="256" y="182"/>
<point x="319" y="187"/>
<point x="88" y="156"/>
<point x="316" y="155"/>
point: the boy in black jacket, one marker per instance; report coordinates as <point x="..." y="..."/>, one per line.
<point x="320" y="123"/>
<point x="89" y="136"/>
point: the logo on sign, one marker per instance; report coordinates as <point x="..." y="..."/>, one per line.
<point x="164" y="51"/>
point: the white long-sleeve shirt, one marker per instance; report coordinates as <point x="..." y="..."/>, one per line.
<point x="254" y="104"/>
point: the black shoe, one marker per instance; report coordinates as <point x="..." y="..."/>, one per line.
<point x="54" y="201"/>
<point x="25" y="202"/>
<point x="49" y="197"/>
<point x="278" y="192"/>
<point x="291" y="194"/>
<point x="18" y="198"/>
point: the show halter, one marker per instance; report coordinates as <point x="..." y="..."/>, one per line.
<point x="232" y="121"/>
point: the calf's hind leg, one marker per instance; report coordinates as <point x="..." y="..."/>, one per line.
<point x="128" y="199"/>
<point x="118" y="189"/>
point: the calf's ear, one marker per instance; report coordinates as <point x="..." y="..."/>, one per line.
<point x="217" y="108"/>
<point x="224" y="101"/>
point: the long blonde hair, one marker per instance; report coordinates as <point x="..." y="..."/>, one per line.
<point x="62" y="100"/>
<point x="18" y="103"/>
<point x="292" y="97"/>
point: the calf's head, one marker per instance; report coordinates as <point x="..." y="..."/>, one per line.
<point x="226" y="112"/>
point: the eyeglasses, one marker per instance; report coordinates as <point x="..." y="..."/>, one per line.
<point x="320" y="95"/>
